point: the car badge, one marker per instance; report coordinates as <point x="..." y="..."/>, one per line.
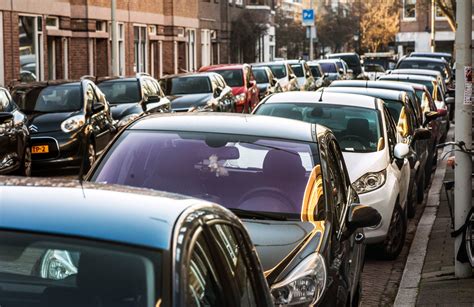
<point x="33" y="128"/>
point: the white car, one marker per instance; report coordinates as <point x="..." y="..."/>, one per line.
<point x="373" y="152"/>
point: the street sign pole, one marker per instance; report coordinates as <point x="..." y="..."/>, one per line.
<point x="463" y="128"/>
<point x="311" y="51"/>
<point x="308" y="21"/>
<point x="113" y="31"/>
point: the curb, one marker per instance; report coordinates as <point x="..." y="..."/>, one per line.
<point x="408" y="290"/>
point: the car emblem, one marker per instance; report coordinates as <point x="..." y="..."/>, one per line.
<point x="33" y="128"/>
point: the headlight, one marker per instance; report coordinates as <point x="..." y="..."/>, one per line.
<point x="57" y="264"/>
<point x="370" y="182"/>
<point x="73" y="123"/>
<point x="240" y="98"/>
<point x="304" y="285"/>
<point x="127" y="119"/>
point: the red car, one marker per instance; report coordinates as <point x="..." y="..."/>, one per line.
<point x="242" y="81"/>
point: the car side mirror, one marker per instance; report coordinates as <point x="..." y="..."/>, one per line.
<point x="450" y="100"/>
<point x="362" y="216"/>
<point x="217" y="92"/>
<point x="5" y="117"/>
<point x="98" y="107"/>
<point x="442" y="112"/>
<point x="421" y="134"/>
<point x="153" y="99"/>
<point x="401" y="150"/>
<point x="292" y="76"/>
<point x="430" y="116"/>
<point x="341" y="71"/>
<point x="326" y="74"/>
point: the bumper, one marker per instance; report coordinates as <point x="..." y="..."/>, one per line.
<point x="65" y="151"/>
<point x="9" y="156"/>
<point x="384" y="200"/>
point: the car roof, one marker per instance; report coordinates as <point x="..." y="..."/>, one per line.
<point x="116" y="79"/>
<point x="374" y="92"/>
<point x="191" y="74"/>
<point x="46" y="83"/>
<point x="407" y="77"/>
<point x="343" y="54"/>
<point x="327" y="61"/>
<point x="270" y="63"/>
<point x="94" y="211"/>
<point x="423" y="59"/>
<point x="228" y="123"/>
<point x="401" y="86"/>
<point x="413" y="71"/>
<point x="327" y="97"/>
<point x="295" y="61"/>
<point x="431" y="54"/>
<point x="221" y="67"/>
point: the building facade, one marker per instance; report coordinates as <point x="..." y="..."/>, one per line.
<point x="67" y="39"/>
<point x="415" y="28"/>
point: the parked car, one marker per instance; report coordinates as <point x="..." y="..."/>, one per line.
<point x="70" y="122"/>
<point x="119" y="246"/>
<point x="130" y="97"/>
<point x="242" y="81"/>
<point x="283" y="72"/>
<point x="438" y="55"/>
<point x="15" y="152"/>
<point x="373" y="71"/>
<point x="273" y="174"/>
<point x="372" y="149"/>
<point x="352" y="60"/>
<point x="417" y="137"/>
<point x="266" y="82"/>
<point x="440" y="65"/>
<point x="305" y="78"/>
<point x="198" y="92"/>
<point x="387" y="60"/>
<point x="318" y="74"/>
<point x="330" y="68"/>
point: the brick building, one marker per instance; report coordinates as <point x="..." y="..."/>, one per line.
<point x="60" y="39"/>
<point x="415" y="28"/>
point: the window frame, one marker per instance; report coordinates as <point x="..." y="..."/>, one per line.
<point x="408" y="18"/>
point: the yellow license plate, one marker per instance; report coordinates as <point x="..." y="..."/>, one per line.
<point x="40" y="149"/>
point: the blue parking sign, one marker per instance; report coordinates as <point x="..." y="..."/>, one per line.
<point x="308" y="17"/>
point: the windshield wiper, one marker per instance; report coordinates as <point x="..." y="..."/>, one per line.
<point x="259" y="215"/>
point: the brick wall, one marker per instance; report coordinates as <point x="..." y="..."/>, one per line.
<point x="11" y="45"/>
<point x="79" y="57"/>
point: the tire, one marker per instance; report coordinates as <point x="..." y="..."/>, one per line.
<point x="393" y="243"/>
<point x="420" y="193"/>
<point x="25" y="166"/>
<point x="412" y="201"/>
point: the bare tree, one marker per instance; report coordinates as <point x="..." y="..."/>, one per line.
<point x="246" y="30"/>
<point x="290" y="36"/>
<point x="448" y="8"/>
<point x="336" y="27"/>
<point x="379" y="23"/>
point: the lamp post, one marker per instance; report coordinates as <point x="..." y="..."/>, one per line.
<point x="113" y="31"/>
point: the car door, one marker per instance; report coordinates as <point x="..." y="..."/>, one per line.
<point x="99" y="120"/>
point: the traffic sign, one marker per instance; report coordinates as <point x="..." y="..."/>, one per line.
<point x="308" y="17"/>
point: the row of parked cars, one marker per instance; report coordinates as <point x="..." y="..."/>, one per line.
<point x="221" y="209"/>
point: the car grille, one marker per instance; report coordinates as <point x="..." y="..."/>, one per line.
<point x="53" y="148"/>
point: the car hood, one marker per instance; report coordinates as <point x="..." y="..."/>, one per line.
<point x="47" y="122"/>
<point x="189" y="100"/>
<point x="236" y="90"/>
<point x="274" y="240"/>
<point x="123" y="109"/>
<point x="359" y="164"/>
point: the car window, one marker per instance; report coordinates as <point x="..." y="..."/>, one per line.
<point x="261" y="76"/>
<point x="121" y="91"/>
<point x="51" y="99"/>
<point x="337" y="187"/>
<point x="278" y="70"/>
<point x="391" y="130"/>
<point x="187" y="85"/>
<point x="6" y="105"/>
<point x="328" y="67"/>
<point x="315" y="71"/>
<point x="152" y="89"/>
<point x="233" y="77"/>
<point x="298" y="69"/>
<point x="239" y="266"/>
<point x="203" y="285"/>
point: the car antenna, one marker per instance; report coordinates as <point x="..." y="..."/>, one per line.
<point x="321" y="97"/>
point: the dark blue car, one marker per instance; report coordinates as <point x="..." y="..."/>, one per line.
<point x="63" y="243"/>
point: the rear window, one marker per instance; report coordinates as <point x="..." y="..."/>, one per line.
<point x="233" y="77"/>
<point x="260" y="76"/>
<point x="424" y="65"/>
<point x="40" y="270"/>
<point x="328" y="67"/>
<point x="121" y="91"/>
<point x="186" y="85"/>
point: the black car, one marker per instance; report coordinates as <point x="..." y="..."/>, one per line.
<point x="415" y="135"/>
<point x="318" y="74"/>
<point x="266" y="82"/>
<point x="15" y="153"/>
<point x="198" y="92"/>
<point x="275" y="175"/>
<point x="130" y="97"/>
<point x="438" y="64"/>
<point x="437" y="55"/>
<point x="69" y="121"/>
<point x="90" y="245"/>
<point x="352" y="60"/>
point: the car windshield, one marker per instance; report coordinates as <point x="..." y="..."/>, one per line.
<point x="373" y="68"/>
<point x="328" y="67"/>
<point x="233" y="77"/>
<point x="356" y="129"/>
<point x="50" y="99"/>
<point x="121" y="91"/>
<point x="424" y="65"/>
<point x="238" y="172"/>
<point x="40" y="269"/>
<point x="278" y="71"/>
<point x="298" y="70"/>
<point x="315" y="71"/>
<point x="186" y="85"/>
<point x="260" y="76"/>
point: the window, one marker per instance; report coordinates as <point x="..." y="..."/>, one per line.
<point x="203" y="285"/>
<point x="233" y="250"/>
<point x="31" y="46"/>
<point x="118" y="92"/>
<point x="101" y="26"/>
<point x="391" y="130"/>
<point x="409" y="9"/>
<point x="337" y="187"/>
<point x="206" y="50"/>
<point x="121" y="48"/>
<point x="191" y="50"/>
<point x="140" y="48"/>
<point x="52" y="22"/>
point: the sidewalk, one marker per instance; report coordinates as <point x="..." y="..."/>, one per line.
<point x="428" y="278"/>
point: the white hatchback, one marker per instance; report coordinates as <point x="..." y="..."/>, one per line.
<point x="373" y="152"/>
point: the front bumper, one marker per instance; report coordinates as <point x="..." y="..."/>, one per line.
<point x="10" y="158"/>
<point x="65" y="151"/>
